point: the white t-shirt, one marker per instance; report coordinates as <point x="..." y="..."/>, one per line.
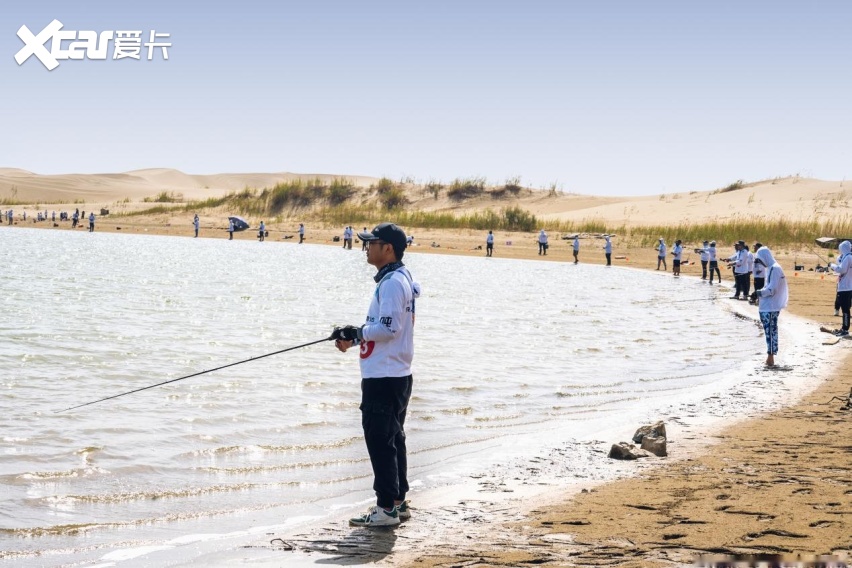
<point x="576" y="243"/>
<point x="677" y="251"/>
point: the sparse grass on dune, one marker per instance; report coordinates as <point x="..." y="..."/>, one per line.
<point x="771" y="232"/>
<point x="331" y="202"/>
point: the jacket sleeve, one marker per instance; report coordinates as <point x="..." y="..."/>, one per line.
<point x="771" y="284"/>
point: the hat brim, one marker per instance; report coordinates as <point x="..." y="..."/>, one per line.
<point x="367" y="237"/>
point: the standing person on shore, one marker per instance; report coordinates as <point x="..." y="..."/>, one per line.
<point x="542" y="242"/>
<point x="749" y="270"/>
<point x="230" y="229"/>
<point x="608" y="250"/>
<point x="196" y="223"/>
<point x="92" y="222"/>
<point x="713" y="262"/>
<point x="10" y="215"/>
<point x="741" y="270"/>
<point x="843" y="269"/>
<point x="347" y="237"/>
<point x="75" y="218"/>
<point x="773" y="298"/>
<point x="705" y="258"/>
<point x="759" y="276"/>
<point x="661" y="254"/>
<point x="261" y="232"/>
<point x="576" y="247"/>
<point x="739" y="263"/>
<point x="363" y="242"/>
<point x="387" y="349"/>
<point x="301" y="232"/>
<point x="489" y="244"/>
<point x="677" y="252"/>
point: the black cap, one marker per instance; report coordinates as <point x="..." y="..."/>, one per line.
<point x="389" y="233"/>
<point x="741" y="243"/>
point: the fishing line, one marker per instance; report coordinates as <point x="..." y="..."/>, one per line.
<point x="196" y="374"/>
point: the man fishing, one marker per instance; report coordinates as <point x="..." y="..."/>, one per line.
<point x="843" y="270"/>
<point x="386" y="343"/>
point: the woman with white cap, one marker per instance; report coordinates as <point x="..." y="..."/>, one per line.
<point x="772" y="299"/>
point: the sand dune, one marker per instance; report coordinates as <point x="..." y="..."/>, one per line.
<point x="793" y="198"/>
<point x="103" y="188"/>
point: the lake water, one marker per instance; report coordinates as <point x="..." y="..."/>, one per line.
<point x="506" y="351"/>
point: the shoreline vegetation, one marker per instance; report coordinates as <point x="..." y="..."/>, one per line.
<point x="332" y="201"/>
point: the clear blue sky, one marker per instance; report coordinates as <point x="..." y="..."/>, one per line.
<point x="602" y="96"/>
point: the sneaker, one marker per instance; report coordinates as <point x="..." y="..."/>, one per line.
<point x="376" y="517"/>
<point x="404" y="511"/>
<point x="841" y="333"/>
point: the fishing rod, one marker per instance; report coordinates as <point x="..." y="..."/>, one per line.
<point x="675" y="301"/>
<point x="196" y="374"/>
<point x="818" y="255"/>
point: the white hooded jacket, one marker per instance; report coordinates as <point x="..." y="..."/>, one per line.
<point x="843" y="268"/>
<point x="773" y="296"/>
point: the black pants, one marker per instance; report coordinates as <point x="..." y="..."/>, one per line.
<point x="542" y="248"/>
<point x="845" y="301"/>
<point x="704" y="270"/>
<point x="714" y="266"/>
<point x="301" y="238"/>
<point x="758" y="285"/>
<point x="384" y="403"/>
<point x="489" y="249"/>
<point x="608" y="258"/>
<point x="743" y="284"/>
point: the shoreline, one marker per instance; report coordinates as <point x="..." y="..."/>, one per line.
<point x="647" y="532"/>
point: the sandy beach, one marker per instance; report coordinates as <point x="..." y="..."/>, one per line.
<point x="775" y="483"/>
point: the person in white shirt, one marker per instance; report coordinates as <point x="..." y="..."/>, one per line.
<point x="608" y="250"/>
<point x="705" y="258"/>
<point x="576" y="248"/>
<point x="740" y="263"/>
<point x="843" y="269"/>
<point x="542" y="242"/>
<point x="772" y="299"/>
<point x="301" y="233"/>
<point x="677" y="252"/>
<point x="347" y="238"/>
<point x="759" y="275"/>
<point x="91" y="222"/>
<point x="386" y="343"/>
<point x="661" y="254"/>
<point x="196" y="223"/>
<point x="261" y="231"/>
<point x="713" y="262"/>
<point x="489" y="244"/>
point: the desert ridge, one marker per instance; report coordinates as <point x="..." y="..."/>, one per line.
<point x="793" y="198"/>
